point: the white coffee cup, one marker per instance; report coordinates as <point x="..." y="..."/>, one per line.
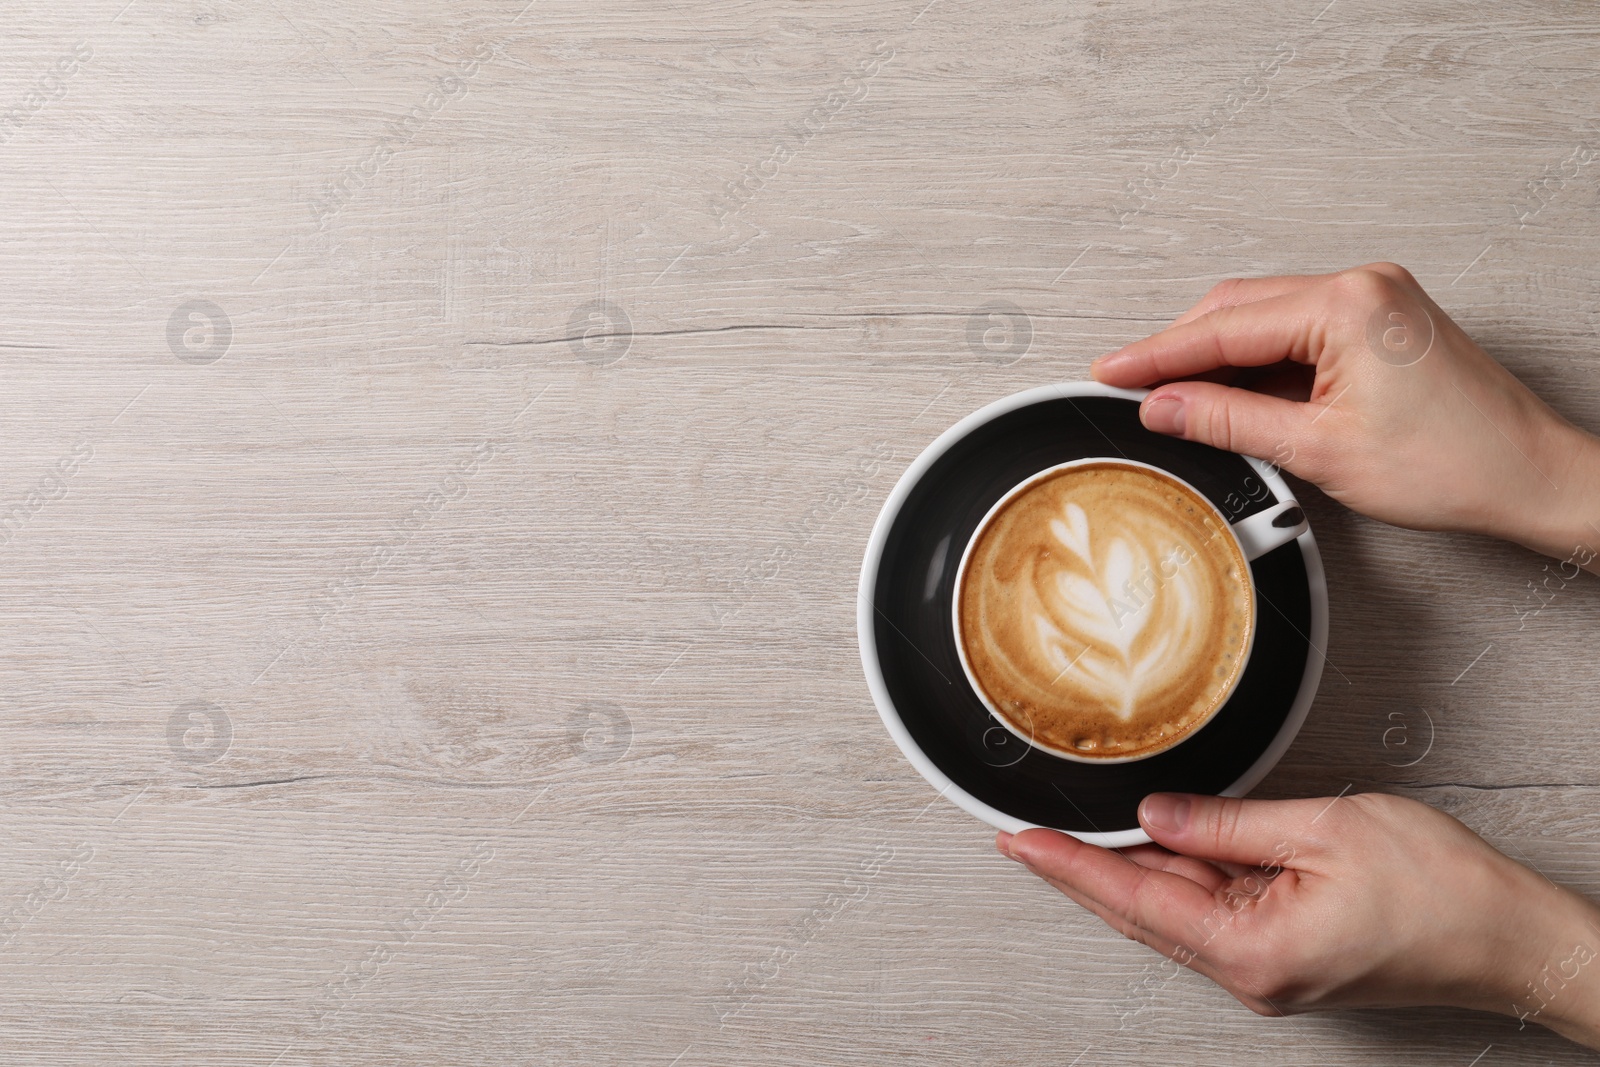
<point x="1254" y="535"/>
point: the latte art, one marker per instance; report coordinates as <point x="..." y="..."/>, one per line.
<point x="1096" y="612"/>
<point x="1104" y="610"/>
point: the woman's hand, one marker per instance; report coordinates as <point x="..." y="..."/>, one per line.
<point x="1361" y="901"/>
<point x="1357" y="382"/>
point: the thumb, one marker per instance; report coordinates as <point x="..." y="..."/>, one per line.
<point x="1255" y="833"/>
<point x="1237" y="420"/>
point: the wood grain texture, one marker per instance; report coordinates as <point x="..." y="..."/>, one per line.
<point x="417" y="683"/>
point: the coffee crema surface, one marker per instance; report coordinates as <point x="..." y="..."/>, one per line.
<point x="1104" y="611"/>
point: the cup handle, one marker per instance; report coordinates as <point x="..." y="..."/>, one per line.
<point x="1265" y="530"/>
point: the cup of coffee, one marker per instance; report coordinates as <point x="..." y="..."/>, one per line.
<point x="1104" y="611"/>
<point x="1131" y="629"/>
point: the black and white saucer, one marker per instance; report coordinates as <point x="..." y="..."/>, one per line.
<point x="908" y="646"/>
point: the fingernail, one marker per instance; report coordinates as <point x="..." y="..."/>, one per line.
<point x="1164" y="414"/>
<point x="1166" y="812"/>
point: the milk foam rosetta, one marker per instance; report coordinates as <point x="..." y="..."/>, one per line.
<point x="1105" y="611"/>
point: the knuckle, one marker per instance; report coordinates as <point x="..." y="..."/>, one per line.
<point x="1225" y="293"/>
<point x="1266" y="1002"/>
<point x="1274" y="983"/>
<point x="1365" y="287"/>
<point x="1349" y="818"/>
<point x="1219" y="322"/>
<point x="1384" y="810"/>
<point x="1394" y="272"/>
<point x="1375" y="807"/>
<point x="1218" y="422"/>
<point x="1225" y="824"/>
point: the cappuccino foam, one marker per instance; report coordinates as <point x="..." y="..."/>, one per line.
<point x="1105" y="611"/>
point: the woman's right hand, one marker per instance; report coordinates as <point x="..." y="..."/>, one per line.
<point x="1387" y="405"/>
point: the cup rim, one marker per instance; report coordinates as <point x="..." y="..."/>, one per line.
<point x="961" y="574"/>
<point x="1317" y="640"/>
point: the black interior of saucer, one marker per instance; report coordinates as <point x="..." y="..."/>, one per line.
<point x="917" y="647"/>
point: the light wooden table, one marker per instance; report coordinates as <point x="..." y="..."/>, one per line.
<point x="432" y="521"/>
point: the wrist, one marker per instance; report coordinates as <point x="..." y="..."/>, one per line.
<point x="1557" y="511"/>
<point x="1557" y="984"/>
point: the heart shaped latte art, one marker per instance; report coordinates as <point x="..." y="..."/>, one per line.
<point x="1104" y="609"/>
<point x="1092" y="616"/>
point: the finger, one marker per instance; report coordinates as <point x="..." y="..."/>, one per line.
<point x="1259" y="833"/>
<point x="1239" y="420"/>
<point x="1246" y="335"/>
<point x="1210" y="876"/>
<point x="1161" y="903"/>
<point x="1221" y="375"/>
<point x="1234" y="871"/>
<point x="1181" y="952"/>
<point x="1292" y="381"/>
<point x="1206" y="875"/>
<point x="1184" y="952"/>
<point x="1120" y="923"/>
<point x="1230" y="292"/>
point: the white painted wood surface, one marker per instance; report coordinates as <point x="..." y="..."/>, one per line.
<point x="413" y="683"/>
